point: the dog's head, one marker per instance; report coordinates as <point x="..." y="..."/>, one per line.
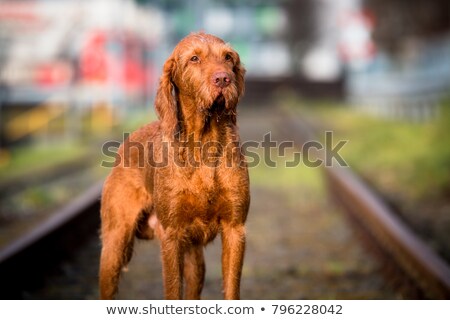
<point x="202" y="69"/>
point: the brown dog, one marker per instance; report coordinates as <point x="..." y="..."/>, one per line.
<point x="184" y="177"/>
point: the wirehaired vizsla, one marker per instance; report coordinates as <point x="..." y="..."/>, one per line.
<point x="183" y="178"/>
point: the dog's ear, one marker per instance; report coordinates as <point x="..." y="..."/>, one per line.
<point x="239" y="71"/>
<point x="165" y="102"/>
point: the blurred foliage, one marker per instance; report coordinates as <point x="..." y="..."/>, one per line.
<point x="136" y="119"/>
<point x="28" y="159"/>
<point x="408" y="160"/>
<point x="48" y="153"/>
<point x="434" y="164"/>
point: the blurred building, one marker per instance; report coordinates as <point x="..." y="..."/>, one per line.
<point x="389" y="57"/>
<point x="407" y="73"/>
<point x="75" y="48"/>
<point x="69" y="58"/>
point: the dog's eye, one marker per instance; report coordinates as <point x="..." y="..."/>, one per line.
<point x="228" y="57"/>
<point x="195" y="59"/>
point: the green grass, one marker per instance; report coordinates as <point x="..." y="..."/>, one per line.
<point x="28" y="159"/>
<point x="281" y="177"/>
<point x="41" y="155"/>
<point x="137" y="119"/>
<point x="412" y="160"/>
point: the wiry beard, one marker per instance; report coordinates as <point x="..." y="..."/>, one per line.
<point x="218" y="106"/>
<point x="226" y="98"/>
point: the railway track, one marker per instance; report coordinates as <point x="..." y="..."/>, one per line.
<point x="396" y="241"/>
<point x="25" y="262"/>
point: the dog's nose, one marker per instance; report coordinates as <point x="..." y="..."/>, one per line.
<point x="221" y="79"/>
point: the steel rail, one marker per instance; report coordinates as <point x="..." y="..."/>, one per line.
<point x="60" y="218"/>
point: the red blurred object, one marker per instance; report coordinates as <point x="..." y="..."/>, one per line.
<point x="134" y="77"/>
<point x="109" y="58"/>
<point x="93" y="60"/>
<point x="53" y="74"/>
<point x="133" y="72"/>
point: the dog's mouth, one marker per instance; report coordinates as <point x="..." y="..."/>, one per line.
<point x="216" y="103"/>
<point x="220" y="100"/>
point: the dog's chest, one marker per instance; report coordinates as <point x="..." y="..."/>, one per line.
<point x="198" y="203"/>
<point x="199" y="188"/>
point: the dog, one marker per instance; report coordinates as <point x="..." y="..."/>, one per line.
<point x="183" y="178"/>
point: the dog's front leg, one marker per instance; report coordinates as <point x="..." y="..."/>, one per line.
<point x="233" y="248"/>
<point x="172" y="263"/>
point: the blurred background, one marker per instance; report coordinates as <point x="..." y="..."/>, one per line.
<point x="74" y="74"/>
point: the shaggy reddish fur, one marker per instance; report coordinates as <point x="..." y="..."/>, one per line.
<point x="166" y="184"/>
